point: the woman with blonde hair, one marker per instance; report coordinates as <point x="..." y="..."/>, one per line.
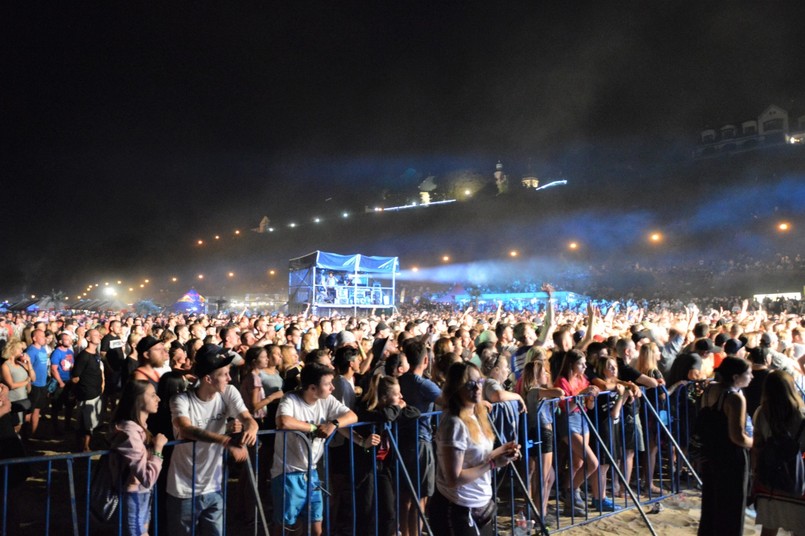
<point x="18" y="375"/>
<point x="310" y="342"/>
<point x="647" y="361"/>
<point x="781" y="414"/>
<point x="374" y="469"/>
<point x="496" y="368"/>
<point x="463" y="503"/>
<point x="536" y="388"/>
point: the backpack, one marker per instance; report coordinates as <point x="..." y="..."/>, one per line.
<point x="780" y="464"/>
<point x="105" y="489"/>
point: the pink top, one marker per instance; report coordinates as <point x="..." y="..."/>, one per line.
<point x="143" y="466"/>
<point x="571" y="387"/>
<point x="247" y="388"/>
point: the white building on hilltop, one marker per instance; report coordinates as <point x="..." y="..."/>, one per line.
<point x="771" y="128"/>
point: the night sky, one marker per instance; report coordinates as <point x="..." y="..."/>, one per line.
<point x="131" y="132"/>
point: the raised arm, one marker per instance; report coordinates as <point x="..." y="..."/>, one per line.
<point x="588" y="335"/>
<point x="548" y="322"/>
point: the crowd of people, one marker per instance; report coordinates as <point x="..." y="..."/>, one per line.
<point x="662" y="283"/>
<point x="583" y="377"/>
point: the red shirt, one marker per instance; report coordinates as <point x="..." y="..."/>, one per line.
<point x="571" y="387"/>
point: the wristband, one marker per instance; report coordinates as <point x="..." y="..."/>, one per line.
<point x="158" y="455"/>
<point x="313" y="428"/>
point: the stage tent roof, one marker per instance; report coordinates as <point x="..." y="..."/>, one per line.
<point x="347" y="263"/>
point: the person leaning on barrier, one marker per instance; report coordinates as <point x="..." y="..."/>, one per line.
<point x="196" y="469"/>
<point x="573" y="428"/>
<point x="383" y="403"/>
<point x="536" y="388"/>
<point x="415" y="437"/>
<point x="140" y="453"/>
<point x="632" y="423"/>
<point x="311" y="410"/>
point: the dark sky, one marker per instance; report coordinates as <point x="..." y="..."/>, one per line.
<point x="130" y="131"/>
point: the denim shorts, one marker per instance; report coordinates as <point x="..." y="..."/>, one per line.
<point x="295" y="487"/>
<point x="576" y="422"/>
<point x="137" y="512"/>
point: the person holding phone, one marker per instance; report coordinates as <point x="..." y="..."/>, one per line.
<point x="463" y="503"/>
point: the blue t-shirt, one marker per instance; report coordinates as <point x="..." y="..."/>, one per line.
<point x="64" y="360"/>
<point x="40" y="362"/>
<point x="420" y="393"/>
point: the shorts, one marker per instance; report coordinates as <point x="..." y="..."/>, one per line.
<point x="575" y="422"/>
<point x="632" y="432"/>
<point x="610" y="433"/>
<point x="545" y="439"/>
<point x="295" y="487"/>
<point x="38" y="397"/>
<point x="20" y="408"/>
<point x="426" y="467"/>
<point x="89" y="414"/>
<point x="137" y="512"/>
<point x="61" y="397"/>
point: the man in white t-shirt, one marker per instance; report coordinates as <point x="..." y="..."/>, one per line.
<point x="201" y="415"/>
<point x="313" y="411"/>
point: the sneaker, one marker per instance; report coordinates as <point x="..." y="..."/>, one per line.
<point x="574" y="500"/>
<point x="605" y="505"/>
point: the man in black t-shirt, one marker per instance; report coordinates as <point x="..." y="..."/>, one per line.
<point x="114" y="358"/>
<point x="88" y="380"/>
<point x="633" y="428"/>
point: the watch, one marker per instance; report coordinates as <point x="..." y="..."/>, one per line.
<point x="335" y="422"/>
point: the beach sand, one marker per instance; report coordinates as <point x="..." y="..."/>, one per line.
<point x="679" y="516"/>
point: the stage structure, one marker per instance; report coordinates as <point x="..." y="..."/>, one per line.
<point x="330" y="282"/>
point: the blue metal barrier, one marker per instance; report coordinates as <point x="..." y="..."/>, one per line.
<point x="666" y="423"/>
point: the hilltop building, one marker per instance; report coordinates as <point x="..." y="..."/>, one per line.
<point x="773" y="127"/>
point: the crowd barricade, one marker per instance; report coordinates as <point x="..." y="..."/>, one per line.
<point x="666" y="421"/>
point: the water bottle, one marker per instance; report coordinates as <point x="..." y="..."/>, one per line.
<point x="749" y="428"/>
<point x="522" y="526"/>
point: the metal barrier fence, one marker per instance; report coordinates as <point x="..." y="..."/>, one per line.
<point x="647" y="440"/>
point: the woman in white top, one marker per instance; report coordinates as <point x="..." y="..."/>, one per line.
<point x="463" y="503"/>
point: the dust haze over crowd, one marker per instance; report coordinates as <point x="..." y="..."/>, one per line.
<point x="132" y="132"/>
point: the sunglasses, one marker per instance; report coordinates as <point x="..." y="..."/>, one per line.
<point x="472" y="385"/>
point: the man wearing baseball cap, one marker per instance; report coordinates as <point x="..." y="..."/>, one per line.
<point x="201" y="414"/>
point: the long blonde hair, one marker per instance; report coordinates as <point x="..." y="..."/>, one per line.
<point x="457" y="377"/>
<point x="532" y="372"/>
<point x="377" y="394"/>
<point x="647" y="358"/>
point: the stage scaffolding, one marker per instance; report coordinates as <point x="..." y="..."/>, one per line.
<point x="331" y="283"/>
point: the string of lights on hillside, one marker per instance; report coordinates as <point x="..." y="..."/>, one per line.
<point x="117" y="288"/>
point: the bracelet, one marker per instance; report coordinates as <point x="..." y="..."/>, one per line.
<point x="313" y="428"/>
<point x="157" y="455"/>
